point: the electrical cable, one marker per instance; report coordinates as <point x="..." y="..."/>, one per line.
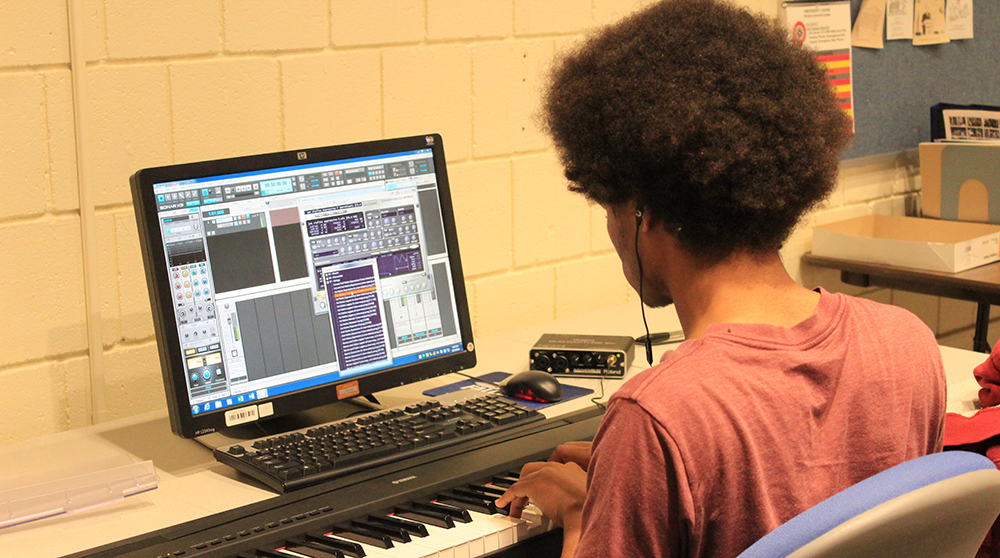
<point x="642" y="304"/>
<point x="478" y="379"/>
<point x="597" y="399"/>
<point x="662" y="338"/>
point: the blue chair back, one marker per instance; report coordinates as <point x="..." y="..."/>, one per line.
<point x="936" y="506"/>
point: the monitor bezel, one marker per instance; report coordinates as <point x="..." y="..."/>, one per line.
<point x="182" y="421"/>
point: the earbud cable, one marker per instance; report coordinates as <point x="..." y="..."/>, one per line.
<point x="642" y="304"/>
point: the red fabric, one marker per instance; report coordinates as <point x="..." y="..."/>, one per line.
<point x="744" y="428"/>
<point x="960" y="430"/>
<point x="980" y="433"/>
<point x="988" y="376"/>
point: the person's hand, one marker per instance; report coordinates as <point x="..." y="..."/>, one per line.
<point x="557" y="489"/>
<point x="573" y="452"/>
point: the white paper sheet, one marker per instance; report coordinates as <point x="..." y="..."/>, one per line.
<point x="867" y="31"/>
<point x="899" y="20"/>
<point x="959" y="19"/>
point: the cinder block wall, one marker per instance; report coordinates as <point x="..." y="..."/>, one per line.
<point x="170" y="82"/>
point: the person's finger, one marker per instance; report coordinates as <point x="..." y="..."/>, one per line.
<point x="517" y="507"/>
<point x="531" y="468"/>
<point x="516" y="496"/>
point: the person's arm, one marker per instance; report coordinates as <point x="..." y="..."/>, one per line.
<point x="636" y="492"/>
<point x="630" y="506"/>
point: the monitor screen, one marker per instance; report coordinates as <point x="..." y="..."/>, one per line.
<point x="286" y="281"/>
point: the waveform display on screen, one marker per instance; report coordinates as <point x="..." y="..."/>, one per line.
<point x="403" y="261"/>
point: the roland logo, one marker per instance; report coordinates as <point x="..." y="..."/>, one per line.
<point x="404" y="479"/>
<point x="302" y="155"/>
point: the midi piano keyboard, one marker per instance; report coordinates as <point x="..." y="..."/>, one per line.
<point x="386" y="511"/>
<point x="459" y="523"/>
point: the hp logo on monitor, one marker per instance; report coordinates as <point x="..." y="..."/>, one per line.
<point x="302" y="155"/>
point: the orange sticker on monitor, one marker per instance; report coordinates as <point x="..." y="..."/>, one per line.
<point x="350" y="389"/>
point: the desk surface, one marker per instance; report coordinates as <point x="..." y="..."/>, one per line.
<point x="192" y="485"/>
<point x="979" y="284"/>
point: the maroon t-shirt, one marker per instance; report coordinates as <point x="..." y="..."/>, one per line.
<point x="737" y="432"/>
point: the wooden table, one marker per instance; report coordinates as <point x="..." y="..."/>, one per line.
<point x="980" y="285"/>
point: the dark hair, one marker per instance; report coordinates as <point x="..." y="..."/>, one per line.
<point x="706" y="115"/>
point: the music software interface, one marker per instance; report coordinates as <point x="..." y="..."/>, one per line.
<point x="296" y="277"/>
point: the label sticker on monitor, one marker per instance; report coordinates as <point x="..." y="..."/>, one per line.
<point x="241" y="415"/>
<point x="350" y="389"/>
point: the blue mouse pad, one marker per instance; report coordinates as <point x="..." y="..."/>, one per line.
<point x="569" y="392"/>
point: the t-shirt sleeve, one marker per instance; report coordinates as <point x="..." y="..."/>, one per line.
<point x="633" y="505"/>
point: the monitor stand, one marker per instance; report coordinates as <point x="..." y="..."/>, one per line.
<point x="304" y="419"/>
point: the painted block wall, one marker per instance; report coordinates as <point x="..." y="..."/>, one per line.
<point x="171" y="82"/>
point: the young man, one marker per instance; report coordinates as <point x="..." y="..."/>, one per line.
<point x="706" y="135"/>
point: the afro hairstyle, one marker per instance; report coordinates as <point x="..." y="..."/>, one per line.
<point x="707" y="116"/>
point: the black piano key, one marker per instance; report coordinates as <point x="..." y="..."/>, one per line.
<point x="311" y="551"/>
<point x="362" y="535"/>
<point x="413" y="527"/>
<point x="503" y="482"/>
<point x="349" y="548"/>
<point x="457" y="513"/>
<point x="504" y="510"/>
<point x="429" y="517"/>
<point x="474" y="504"/>
<point x="395" y="533"/>
<point x="494" y="491"/>
<point x="472" y="493"/>
<point x="262" y="553"/>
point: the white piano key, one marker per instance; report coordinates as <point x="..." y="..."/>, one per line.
<point x="509" y="528"/>
<point x="456" y="541"/>
<point x="497" y="528"/>
<point x="538" y="523"/>
<point x="398" y="550"/>
<point x="486" y="533"/>
<point x="469" y="543"/>
<point x="446" y="545"/>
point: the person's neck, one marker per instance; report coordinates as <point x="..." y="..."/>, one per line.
<point x="740" y="289"/>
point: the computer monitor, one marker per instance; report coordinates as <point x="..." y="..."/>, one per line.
<point x="286" y="281"/>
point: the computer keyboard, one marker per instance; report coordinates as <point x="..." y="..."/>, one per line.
<point x="313" y="455"/>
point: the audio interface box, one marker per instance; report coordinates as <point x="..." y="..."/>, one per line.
<point x="590" y="356"/>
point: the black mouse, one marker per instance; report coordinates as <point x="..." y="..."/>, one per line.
<point x="533" y="385"/>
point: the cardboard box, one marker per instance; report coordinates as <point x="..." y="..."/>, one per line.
<point x="961" y="181"/>
<point x="948" y="246"/>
